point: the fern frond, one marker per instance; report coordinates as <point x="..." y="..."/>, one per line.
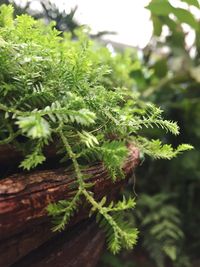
<point x="161" y="223"/>
<point x="34" y="126"/>
<point x="88" y="139"/>
<point x="32" y="160"/>
<point x="62" y="211"/>
<point x="119" y="233"/>
<point x="114" y="154"/>
<point x="157" y="150"/>
<point x="35" y="158"/>
<point x="153" y="117"/>
<point x="124" y="204"/>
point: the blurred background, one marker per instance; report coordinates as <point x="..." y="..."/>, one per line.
<point x="155" y="45"/>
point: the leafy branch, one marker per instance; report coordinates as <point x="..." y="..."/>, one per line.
<point x="55" y="88"/>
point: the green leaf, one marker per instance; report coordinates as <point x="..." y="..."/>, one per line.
<point x="32" y="160"/>
<point x="88" y="139"/>
<point x="6" y="16"/>
<point x="114" y="153"/>
<point x="161" y="68"/>
<point x="170" y="251"/>
<point x="34" y="126"/>
<point x="124" y="204"/>
<point x="192" y="2"/>
<point x="184" y="147"/>
<point x="62" y="211"/>
<point x="160" y="7"/>
<point x="163" y="8"/>
<point x="157" y="25"/>
<point x="170" y="23"/>
<point x="82" y="116"/>
<point x="184" y="16"/>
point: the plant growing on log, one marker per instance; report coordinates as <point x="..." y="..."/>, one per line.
<point x="54" y="88"/>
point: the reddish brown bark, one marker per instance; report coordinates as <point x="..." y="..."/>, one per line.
<point x="36" y="229"/>
<point x="39" y="246"/>
<point x="24" y="223"/>
<point x="81" y="246"/>
<point x="24" y="197"/>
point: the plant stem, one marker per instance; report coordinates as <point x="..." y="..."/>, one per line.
<point x="73" y="158"/>
<point x="118" y="232"/>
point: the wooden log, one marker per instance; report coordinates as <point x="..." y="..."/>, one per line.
<point x="24" y="224"/>
<point x="25" y="196"/>
<point x="31" y="235"/>
<point x="81" y="246"/>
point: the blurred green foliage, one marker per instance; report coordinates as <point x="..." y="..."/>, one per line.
<point x="174" y="85"/>
<point x="47" y="11"/>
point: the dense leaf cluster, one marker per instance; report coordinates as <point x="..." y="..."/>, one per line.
<point x="55" y="89"/>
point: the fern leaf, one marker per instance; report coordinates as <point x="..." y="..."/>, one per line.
<point x="34" y="126"/>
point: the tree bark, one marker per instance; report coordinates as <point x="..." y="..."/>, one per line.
<point x="82" y="246"/>
<point x="24" y="223"/>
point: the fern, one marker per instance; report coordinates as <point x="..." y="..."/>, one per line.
<point x="161" y="227"/>
<point x="88" y="139"/>
<point x="157" y="150"/>
<point x="54" y="88"/>
<point x="63" y="211"/>
<point x="34" y="126"/>
<point x="32" y="160"/>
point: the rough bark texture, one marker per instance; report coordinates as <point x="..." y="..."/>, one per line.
<point x="24" y="223"/>
<point x="80" y="247"/>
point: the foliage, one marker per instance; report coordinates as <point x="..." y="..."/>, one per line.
<point x="172" y="80"/>
<point x="110" y="260"/>
<point x="161" y="227"/>
<point x="55" y="89"/>
<point x="168" y="75"/>
<point x="48" y="11"/>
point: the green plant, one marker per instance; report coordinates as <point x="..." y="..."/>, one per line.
<point x="53" y="89"/>
<point x="160" y="227"/>
<point x="46" y="10"/>
<point x="110" y="260"/>
<point x="171" y="66"/>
